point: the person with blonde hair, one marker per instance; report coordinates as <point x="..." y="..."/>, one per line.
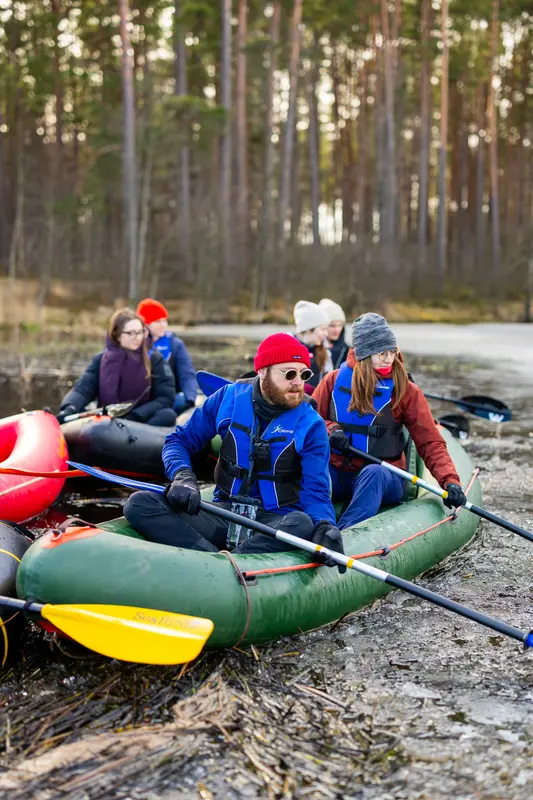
<point x="366" y="404"/>
<point x="335" y="340"/>
<point x="311" y="323"/>
<point x="124" y="373"/>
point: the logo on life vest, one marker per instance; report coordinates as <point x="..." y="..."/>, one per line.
<point x="279" y="429"/>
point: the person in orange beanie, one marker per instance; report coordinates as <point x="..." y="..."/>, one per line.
<point x="172" y="348"/>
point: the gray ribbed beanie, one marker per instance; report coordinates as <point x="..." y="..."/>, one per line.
<point x="371" y="334"/>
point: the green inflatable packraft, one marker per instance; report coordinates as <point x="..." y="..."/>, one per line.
<point x="113" y="564"/>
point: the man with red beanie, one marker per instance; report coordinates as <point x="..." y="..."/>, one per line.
<point x="172" y="348"/>
<point x="272" y="466"/>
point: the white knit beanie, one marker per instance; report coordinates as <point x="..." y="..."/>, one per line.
<point x="308" y="316"/>
<point x="333" y="310"/>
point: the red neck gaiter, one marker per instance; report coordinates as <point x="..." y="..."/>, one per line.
<point x="385" y="372"/>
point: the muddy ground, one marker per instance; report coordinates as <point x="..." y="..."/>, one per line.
<point x="401" y="700"/>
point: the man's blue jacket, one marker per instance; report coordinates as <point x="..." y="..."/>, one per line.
<point x="202" y="427"/>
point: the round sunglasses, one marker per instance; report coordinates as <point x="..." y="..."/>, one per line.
<point x="291" y="374"/>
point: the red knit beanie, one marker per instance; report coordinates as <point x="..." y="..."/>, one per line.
<point x="151" y="310"/>
<point x="279" y="348"/>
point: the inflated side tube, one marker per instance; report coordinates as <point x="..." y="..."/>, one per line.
<point x="13" y="545"/>
<point x="121" y="445"/>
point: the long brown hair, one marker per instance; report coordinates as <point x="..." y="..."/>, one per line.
<point x="116" y="326"/>
<point x="320" y="354"/>
<point x="364" y="380"/>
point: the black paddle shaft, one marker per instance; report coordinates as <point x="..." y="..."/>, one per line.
<point x="20" y="605"/>
<point x="384" y="577"/>
<point x="456" y="400"/>
<point x="503" y="523"/>
<point x="464" y="611"/>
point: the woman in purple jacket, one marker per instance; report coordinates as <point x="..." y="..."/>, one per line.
<point x="124" y="372"/>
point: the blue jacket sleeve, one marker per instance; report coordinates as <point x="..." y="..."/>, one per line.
<point x="193" y="436"/>
<point x="315" y="495"/>
<point x="184" y="370"/>
<point x="85" y="390"/>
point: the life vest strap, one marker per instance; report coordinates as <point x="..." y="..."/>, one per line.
<point x="240" y="427"/>
<point x="234" y="471"/>
<point x="366" y="430"/>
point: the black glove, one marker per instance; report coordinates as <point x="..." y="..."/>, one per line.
<point x="328" y="536"/>
<point x="183" y="493"/>
<point x="339" y="441"/>
<point x="456" y="496"/>
<point x="66" y="411"/>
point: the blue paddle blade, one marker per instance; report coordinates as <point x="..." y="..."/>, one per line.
<point x="210" y="383"/>
<point x="129" y="483"/>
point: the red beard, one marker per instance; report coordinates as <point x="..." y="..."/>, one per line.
<point x="291" y="398"/>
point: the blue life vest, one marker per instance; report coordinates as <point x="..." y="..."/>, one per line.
<point x="271" y="459"/>
<point x="378" y="434"/>
<point x="164" y="346"/>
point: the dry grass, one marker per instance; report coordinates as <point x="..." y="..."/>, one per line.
<point x="237" y="723"/>
<point x="82" y="307"/>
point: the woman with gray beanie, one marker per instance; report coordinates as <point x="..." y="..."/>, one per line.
<point x="366" y="403"/>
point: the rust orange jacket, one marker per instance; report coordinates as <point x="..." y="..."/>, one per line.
<point x="414" y="413"/>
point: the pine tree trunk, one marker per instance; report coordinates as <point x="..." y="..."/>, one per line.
<point x="442" y="228"/>
<point x="480" y="188"/>
<point x="184" y="187"/>
<point x="17" y="249"/>
<point x="379" y="131"/>
<point x="225" y="149"/>
<point x="243" y="225"/>
<point x="425" y="126"/>
<point x="313" y="141"/>
<point x="288" y="142"/>
<point x="3" y="197"/>
<point x="129" y="162"/>
<point x="493" y="155"/>
<point x="389" y="227"/>
<point x="268" y="223"/>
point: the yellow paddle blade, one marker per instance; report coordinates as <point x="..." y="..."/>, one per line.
<point x="142" y="635"/>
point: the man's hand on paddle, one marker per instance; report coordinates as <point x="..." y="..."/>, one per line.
<point x="183" y="494"/>
<point x="328" y="536"/>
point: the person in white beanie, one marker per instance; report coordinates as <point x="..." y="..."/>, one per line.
<point x="311" y="330"/>
<point x="336" y="341"/>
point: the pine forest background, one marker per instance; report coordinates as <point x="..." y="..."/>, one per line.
<point x="254" y="152"/>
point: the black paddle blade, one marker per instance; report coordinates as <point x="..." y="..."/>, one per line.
<point x="457" y="425"/>
<point x="485" y="407"/>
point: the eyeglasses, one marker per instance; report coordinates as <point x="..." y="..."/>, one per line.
<point x="386" y="353"/>
<point x="291" y="374"/>
<point x="133" y="333"/>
